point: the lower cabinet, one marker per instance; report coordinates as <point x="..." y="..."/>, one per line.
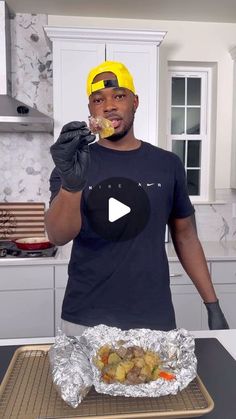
<point x="61" y="277"/>
<point x="27" y="313"/>
<point x="186" y="300"/>
<point x="31" y="298"/>
<point x="26" y="301"/>
<point x="59" y="295"/>
<point x="190" y="310"/>
<point x="187" y="305"/>
<point x="224" y="278"/>
<point x="227" y="298"/>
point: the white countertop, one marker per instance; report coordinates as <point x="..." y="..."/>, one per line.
<point x="226" y="337"/>
<point x="61" y="258"/>
<point x="214" y="251"/>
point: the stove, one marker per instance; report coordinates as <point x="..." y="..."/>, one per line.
<point x="9" y="250"/>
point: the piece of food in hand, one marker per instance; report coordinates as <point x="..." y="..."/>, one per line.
<point x="102" y="126"/>
<point x="132" y="365"/>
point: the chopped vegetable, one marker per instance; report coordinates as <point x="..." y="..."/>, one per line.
<point x="129" y="365"/>
<point x="167" y="375"/>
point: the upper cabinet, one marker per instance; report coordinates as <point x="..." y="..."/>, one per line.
<point x="233" y="149"/>
<point x="76" y="51"/>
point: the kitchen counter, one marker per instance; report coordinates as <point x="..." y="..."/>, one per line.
<point x="215" y="366"/>
<point x="213" y="251"/>
<point x="61" y="257"/>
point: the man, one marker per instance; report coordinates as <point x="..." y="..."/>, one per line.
<point x="118" y="274"/>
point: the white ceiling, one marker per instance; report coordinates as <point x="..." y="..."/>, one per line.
<point x="191" y="10"/>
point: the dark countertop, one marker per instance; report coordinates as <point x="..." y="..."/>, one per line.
<point x="216" y="368"/>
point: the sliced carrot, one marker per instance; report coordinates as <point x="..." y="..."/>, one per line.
<point x="167" y="375"/>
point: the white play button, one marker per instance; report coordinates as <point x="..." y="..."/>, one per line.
<point x="116" y="209"/>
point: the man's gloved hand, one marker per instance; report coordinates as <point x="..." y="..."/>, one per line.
<point x="216" y="318"/>
<point x="70" y="154"/>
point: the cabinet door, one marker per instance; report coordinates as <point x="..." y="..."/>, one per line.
<point x="186" y="299"/>
<point x="223" y="272"/>
<point x="26" y="277"/>
<point x="187" y="305"/>
<point x="61" y="277"/>
<point x="223" y="275"/>
<point x="142" y="62"/>
<point x="27" y="313"/>
<point x="59" y="295"/>
<point x="72" y="62"/>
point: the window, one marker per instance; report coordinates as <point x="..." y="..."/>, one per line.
<point x="187" y="127"/>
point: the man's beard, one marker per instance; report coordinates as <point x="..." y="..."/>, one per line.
<point x="116" y="137"/>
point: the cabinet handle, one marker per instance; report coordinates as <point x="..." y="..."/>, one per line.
<point x="175" y="275"/>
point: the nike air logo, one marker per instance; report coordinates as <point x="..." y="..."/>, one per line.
<point x="150" y="184"/>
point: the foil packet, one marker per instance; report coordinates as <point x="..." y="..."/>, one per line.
<point x="175" y="349"/>
<point x="74" y="369"/>
<point x="71" y="369"/>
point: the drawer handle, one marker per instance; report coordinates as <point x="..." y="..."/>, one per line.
<point x="175" y="275"/>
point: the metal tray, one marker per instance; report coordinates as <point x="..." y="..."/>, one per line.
<point x="27" y="392"/>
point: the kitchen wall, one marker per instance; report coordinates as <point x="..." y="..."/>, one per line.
<point x="25" y="162"/>
<point x="186" y="42"/>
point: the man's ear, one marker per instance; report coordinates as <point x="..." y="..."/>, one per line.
<point x="136" y="102"/>
<point x="89" y="108"/>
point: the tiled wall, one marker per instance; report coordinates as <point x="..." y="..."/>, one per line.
<point x="25" y="161"/>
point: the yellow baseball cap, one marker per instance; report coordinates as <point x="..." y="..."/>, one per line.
<point x="123" y="77"/>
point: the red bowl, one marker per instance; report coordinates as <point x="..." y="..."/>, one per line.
<point x="33" y="243"/>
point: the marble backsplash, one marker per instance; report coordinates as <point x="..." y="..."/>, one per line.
<point x="25" y="161"/>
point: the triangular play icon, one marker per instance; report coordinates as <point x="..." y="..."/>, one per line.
<point x="116" y="209"/>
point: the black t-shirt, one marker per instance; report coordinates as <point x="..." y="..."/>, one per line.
<point x="126" y="283"/>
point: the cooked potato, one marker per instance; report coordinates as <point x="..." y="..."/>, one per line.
<point x="151" y="359"/>
<point x="98" y="363"/>
<point x="120" y="373"/>
<point x="110" y="370"/>
<point x="113" y="358"/>
<point x="146" y="371"/>
<point x="103" y="350"/>
<point x="127" y="365"/>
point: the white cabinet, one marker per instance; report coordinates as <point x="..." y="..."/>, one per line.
<point x="233" y="137"/>
<point x="61" y="277"/>
<point x="26" y="301"/>
<point x="190" y="310"/>
<point x="186" y="300"/>
<point x="31" y="298"/>
<point x="76" y="51"/>
<point x="71" y="63"/>
<point x="224" y="279"/>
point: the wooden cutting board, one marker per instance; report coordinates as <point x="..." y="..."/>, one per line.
<point x="21" y="219"/>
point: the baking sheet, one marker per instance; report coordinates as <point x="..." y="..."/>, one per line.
<point x="27" y="392"/>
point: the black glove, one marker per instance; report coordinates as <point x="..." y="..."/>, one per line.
<point x="70" y="154"/>
<point x="216" y="318"/>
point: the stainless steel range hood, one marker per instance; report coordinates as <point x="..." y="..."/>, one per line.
<point x="15" y="116"/>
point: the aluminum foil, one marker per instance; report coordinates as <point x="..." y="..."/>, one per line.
<point x="175" y="348"/>
<point x="71" y="369"/>
<point x="74" y="371"/>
